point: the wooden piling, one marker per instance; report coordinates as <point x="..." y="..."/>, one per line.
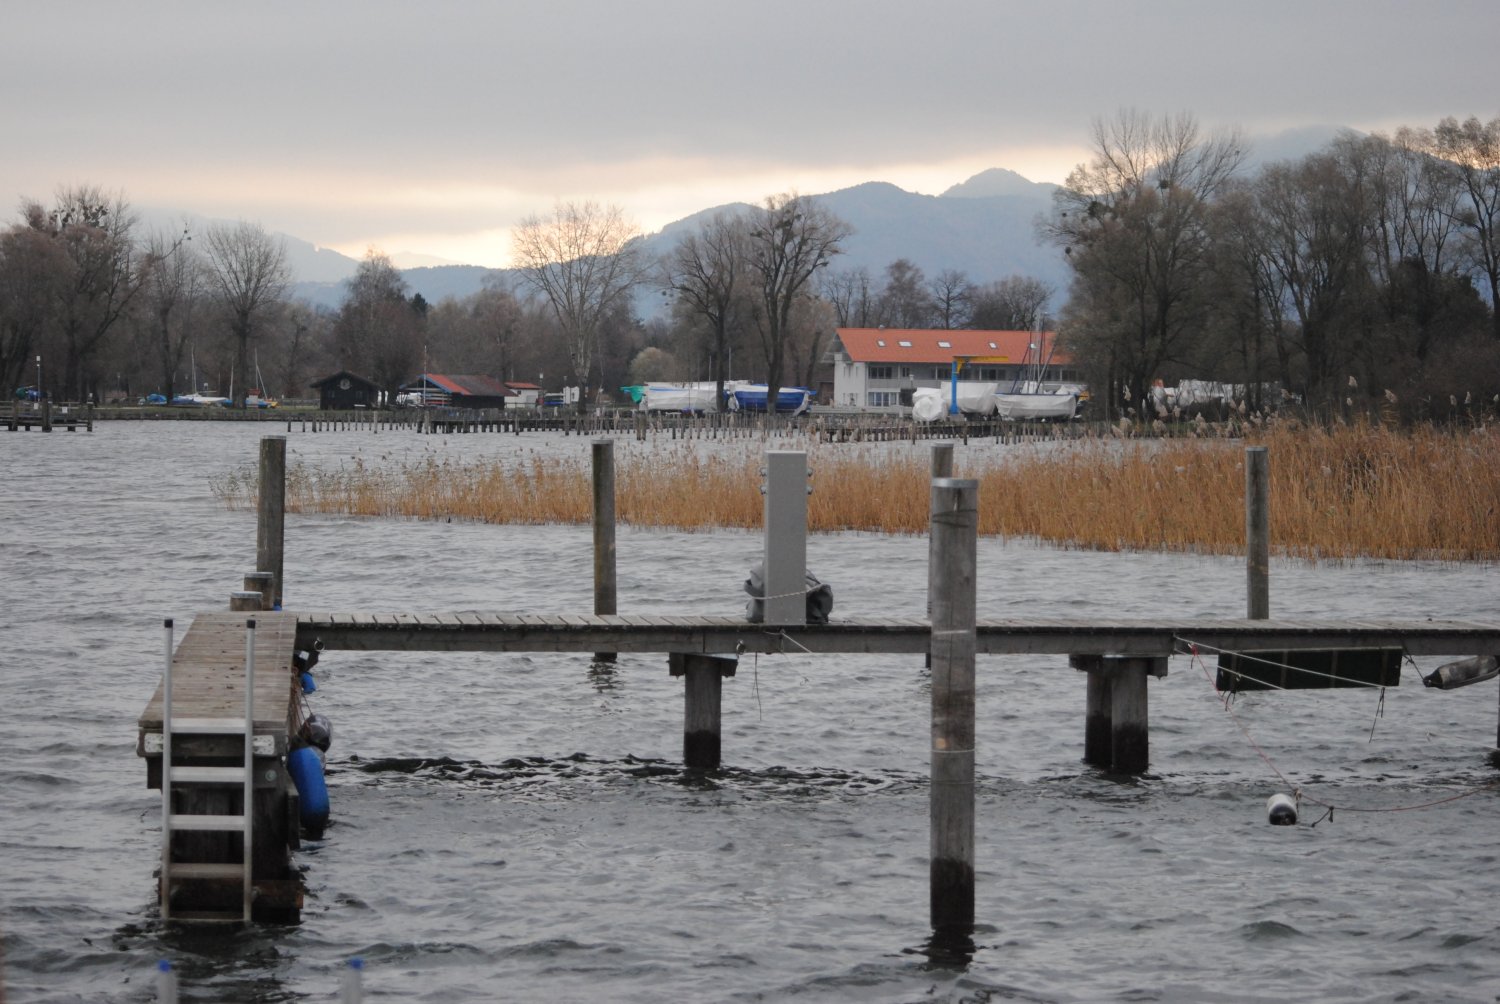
<point x="703" y="686"/>
<point x="244" y="600"/>
<point x="1130" y="741"/>
<point x="952" y="575"/>
<point x="270" y="524"/>
<point x="1098" y="719"/>
<point x="1257" y="534"/>
<point x="263" y="583"/>
<point x="605" y="589"/>
<point x="1116" y="734"/>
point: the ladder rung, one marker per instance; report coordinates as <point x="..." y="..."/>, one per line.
<point x="205" y="870"/>
<point x="209" y="775"/>
<point x="206" y="821"/>
<point x="208" y="726"/>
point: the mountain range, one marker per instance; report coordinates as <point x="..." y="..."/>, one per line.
<point x="984" y="227"/>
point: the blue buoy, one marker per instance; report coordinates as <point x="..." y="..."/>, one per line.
<point x="306" y="768"/>
<point x="308" y="684"/>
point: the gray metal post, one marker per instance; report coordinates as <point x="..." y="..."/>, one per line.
<point x="1257" y="534"/>
<point x="605" y="587"/>
<point x="951" y="582"/>
<point x="270" y="525"/>
<point x="786" y="537"/>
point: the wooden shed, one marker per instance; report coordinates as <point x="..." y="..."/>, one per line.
<point x="345" y="391"/>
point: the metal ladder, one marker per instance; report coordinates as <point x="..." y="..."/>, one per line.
<point x="175" y="776"/>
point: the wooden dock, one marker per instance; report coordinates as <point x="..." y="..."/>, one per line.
<point x="1117" y="656"/>
<point x="483" y="631"/>
<point x="208" y="671"/>
<point x="45" y="417"/>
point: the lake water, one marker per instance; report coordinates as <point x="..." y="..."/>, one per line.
<point x="515" y="828"/>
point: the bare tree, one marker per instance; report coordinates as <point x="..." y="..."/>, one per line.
<point x="379" y="330"/>
<point x="248" y="275"/>
<point x="1015" y="303"/>
<point x="952" y="298"/>
<point x="33" y="279"/>
<point x="172" y="292"/>
<point x="706" y="271"/>
<point x="905" y="301"/>
<point x="583" y="260"/>
<point x="791" y="237"/>
<point x="94" y="232"/>
<point x="1133" y="223"/>
<point x="1472" y="148"/>
<point x="849" y="292"/>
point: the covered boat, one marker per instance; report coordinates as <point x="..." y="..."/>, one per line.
<point x="693" y="397"/>
<point x="752" y="397"/>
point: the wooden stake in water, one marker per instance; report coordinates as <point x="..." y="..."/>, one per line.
<point x="952" y="575"/>
<point x="1257" y="534"/>
<point x="605" y="590"/>
<point x="270" y="524"/>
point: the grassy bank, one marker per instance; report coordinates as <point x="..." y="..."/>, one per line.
<point x="1337" y="493"/>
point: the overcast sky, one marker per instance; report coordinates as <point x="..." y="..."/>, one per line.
<point x="433" y="127"/>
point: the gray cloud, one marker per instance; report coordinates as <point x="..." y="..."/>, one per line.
<point x="521" y="95"/>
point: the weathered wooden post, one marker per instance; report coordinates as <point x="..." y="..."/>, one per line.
<point x="1257" y="534"/>
<point x="46" y="414"/>
<point x="263" y="583"/>
<point x="240" y="600"/>
<point x="951" y="581"/>
<point x="1130" y="734"/>
<point x="942" y="460"/>
<point x="703" y="687"/>
<point x="605" y="592"/>
<point x="786" y="537"/>
<point x="270" y="525"/>
<point x="1098" y="713"/>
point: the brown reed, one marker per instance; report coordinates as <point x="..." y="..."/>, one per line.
<point x="1336" y="493"/>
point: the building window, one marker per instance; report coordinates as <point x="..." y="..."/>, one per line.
<point x="905" y="372"/>
<point x="883" y="398"/>
<point x="904" y="344"/>
<point x="882" y="373"/>
<point x="945" y="345"/>
<point x="942" y="372"/>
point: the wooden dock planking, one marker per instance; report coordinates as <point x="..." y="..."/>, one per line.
<point x="208" y="671"/>
<point x="479" y="631"/>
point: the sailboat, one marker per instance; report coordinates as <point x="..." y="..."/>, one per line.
<point x="195" y="398"/>
<point x="258" y="398"/>
<point x="1029" y="399"/>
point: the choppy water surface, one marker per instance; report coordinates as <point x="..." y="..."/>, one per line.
<point x="516" y="828"/>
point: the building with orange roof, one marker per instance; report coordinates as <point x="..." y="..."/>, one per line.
<point x="872" y="367"/>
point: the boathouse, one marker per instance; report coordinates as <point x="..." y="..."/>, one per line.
<point x="469" y="390"/>
<point x="880" y="367"/>
<point x="345" y="391"/>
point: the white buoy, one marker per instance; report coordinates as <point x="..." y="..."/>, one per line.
<point x="1464" y="672"/>
<point x="1281" y="810"/>
<point x="353" y="990"/>
<point x="166" y="983"/>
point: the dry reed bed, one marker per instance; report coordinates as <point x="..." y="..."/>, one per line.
<point x="1349" y="491"/>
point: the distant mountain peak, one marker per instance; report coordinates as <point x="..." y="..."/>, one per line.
<point x="995" y="182"/>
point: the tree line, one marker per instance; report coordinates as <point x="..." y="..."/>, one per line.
<point x="1364" y="273"/>
<point x="93" y="305"/>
